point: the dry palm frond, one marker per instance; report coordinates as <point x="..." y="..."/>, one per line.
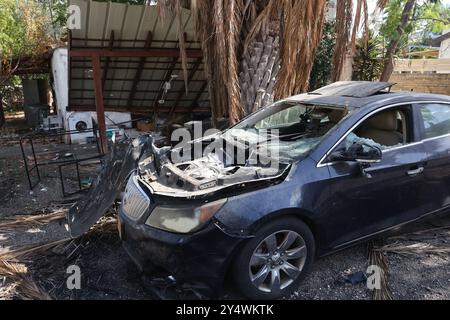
<point x="233" y="9"/>
<point x="415" y="249"/>
<point x="105" y="226"/>
<point x="22" y="285"/>
<point x="429" y="231"/>
<point x="302" y="24"/>
<point x="228" y="29"/>
<point x="28" y="221"/>
<point x="257" y="21"/>
<point x="377" y="258"/>
<point x="204" y="27"/>
<point x="26" y="251"/>
<point x="218" y="27"/>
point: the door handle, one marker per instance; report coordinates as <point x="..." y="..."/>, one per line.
<point x="416" y="172"/>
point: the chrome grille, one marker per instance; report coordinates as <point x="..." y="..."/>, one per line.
<point x="135" y="202"/>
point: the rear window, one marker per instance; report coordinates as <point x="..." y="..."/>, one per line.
<point x="436" y="119"/>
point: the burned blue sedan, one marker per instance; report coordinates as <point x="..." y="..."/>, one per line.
<point x="300" y="179"/>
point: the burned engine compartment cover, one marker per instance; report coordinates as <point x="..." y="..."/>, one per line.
<point x="210" y="172"/>
<point x="118" y="165"/>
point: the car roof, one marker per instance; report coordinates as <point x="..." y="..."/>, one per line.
<point x="355" y="89"/>
<point x="358" y="94"/>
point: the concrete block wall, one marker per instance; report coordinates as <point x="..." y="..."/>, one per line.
<point x="429" y="83"/>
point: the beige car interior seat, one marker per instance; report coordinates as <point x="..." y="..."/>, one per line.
<point x="383" y="129"/>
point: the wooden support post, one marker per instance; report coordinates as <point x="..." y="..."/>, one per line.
<point x="99" y="103"/>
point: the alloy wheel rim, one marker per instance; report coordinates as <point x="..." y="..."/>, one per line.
<point x="277" y="261"/>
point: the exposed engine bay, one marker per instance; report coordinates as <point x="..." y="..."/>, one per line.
<point x="261" y="148"/>
<point x="201" y="176"/>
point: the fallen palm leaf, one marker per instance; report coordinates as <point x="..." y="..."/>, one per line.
<point x="104" y="226"/>
<point x="28" y="221"/>
<point x="24" y="252"/>
<point x="421" y="232"/>
<point x="414" y="249"/>
<point x="22" y="285"/>
<point x="377" y="258"/>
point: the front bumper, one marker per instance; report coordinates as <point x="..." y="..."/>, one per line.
<point x="202" y="258"/>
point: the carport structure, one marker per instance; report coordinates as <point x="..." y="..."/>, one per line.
<point x="126" y="58"/>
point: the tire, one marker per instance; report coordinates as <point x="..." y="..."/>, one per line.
<point x="260" y="280"/>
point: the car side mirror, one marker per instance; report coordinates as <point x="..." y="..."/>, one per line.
<point x="360" y="152"/>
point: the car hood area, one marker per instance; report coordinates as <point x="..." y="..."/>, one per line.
<point x="203" y="177"/>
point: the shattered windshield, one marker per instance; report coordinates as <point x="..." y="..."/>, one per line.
<point x="294" y="129"/>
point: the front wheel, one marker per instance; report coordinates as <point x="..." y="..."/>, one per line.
<point x="273" y="264"/>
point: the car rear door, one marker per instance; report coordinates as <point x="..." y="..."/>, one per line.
<point x="435" y="125"/>
<point x="362" y="206"/>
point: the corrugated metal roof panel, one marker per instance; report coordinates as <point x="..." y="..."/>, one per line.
<point x="129" y="25"/>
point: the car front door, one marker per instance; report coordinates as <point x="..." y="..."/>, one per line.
<point x="435" y="122"/>
<point x="392" y="190"/>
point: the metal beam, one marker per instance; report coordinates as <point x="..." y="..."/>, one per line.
<point x="125" y="99"/>
<point x="125" y="79"/>
<point x="135" y="53"/>
<point x="142" y="110"/>
<point x="131" y="68"/>
<point x="139" y="70"/>
<point x="108" y="59"/>
<point x="190" y="77"/>
<point x="69" y="63"/>
<point x="127" y="91"/>
<point x="161" y="89"/>
<point x="134" y="40"/>
<point x="99" y="104"/>
<point x="199" y="95"/>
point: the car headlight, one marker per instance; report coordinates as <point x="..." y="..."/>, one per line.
<point x="183" y="219"/>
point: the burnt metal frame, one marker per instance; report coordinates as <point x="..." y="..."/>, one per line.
<point x="75" y="162"/>
<point x="30" y="137"/>
<point x="34" y="167"/>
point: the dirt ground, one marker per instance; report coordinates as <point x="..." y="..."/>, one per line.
<point x="418" y="261"/>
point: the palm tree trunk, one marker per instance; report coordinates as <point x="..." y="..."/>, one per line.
<point x="346" y="39"/>
<point x="344" y="13"/>
<point x="260" y="64"/>
<point x="393" y="44"/>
